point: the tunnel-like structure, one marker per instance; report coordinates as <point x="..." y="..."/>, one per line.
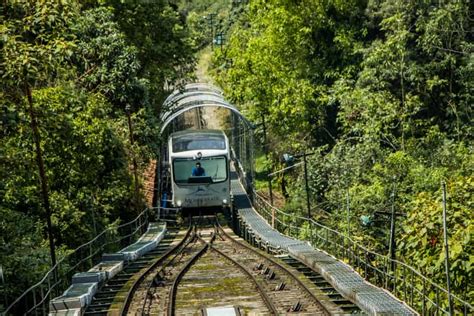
<point x="239" y="129"/>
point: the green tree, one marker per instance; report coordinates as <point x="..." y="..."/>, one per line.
<point x="35" y="46"/>
<point x="382" y="92"/>
<point x="161" y="37"/>
<point x="105" y="61"/>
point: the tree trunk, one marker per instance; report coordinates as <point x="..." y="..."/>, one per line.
<point x="42" y="173"/>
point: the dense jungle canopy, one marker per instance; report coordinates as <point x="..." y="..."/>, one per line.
<point x="379" y="91"/>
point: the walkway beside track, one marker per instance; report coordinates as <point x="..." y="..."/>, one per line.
<point x="79" y="295"/>
<point x="371" y="299"/>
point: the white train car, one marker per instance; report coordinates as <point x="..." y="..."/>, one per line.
<point x="199" y="163"/>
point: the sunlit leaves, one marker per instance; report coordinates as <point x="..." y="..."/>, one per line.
<point x="390" y="83"/>
<point x="106" y="62"/>
<point x="162" y="41"/>
<point x="423" y="238"/>
<point x="35" y="40"/>
<point x="81" y="69"/>
<point x="268" y="74"/>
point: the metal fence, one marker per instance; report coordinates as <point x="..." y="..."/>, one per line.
<point x="404" y="281"/>
<point x="35" y="300"/>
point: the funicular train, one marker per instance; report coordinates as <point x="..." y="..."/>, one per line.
<point x="199" y="162"/>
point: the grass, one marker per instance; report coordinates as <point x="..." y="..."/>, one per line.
<point x="203" y="63"/>
<point x="261" y="171"/>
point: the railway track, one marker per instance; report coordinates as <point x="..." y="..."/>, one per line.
<point x="145" y="290"/>
<point x="283" y="288"/>
<point x="322" y="285"/>
<point x="152" y="292"/>
<point x="236" y="275"/>
<point x="113" y="289"/>
<point x="207" y="267"/>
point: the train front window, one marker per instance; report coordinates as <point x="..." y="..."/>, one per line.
<point x="205" y="170"/>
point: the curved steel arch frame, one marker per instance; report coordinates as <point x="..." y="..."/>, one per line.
<point x="171" y="116"/>
<point x="193" y="87"/>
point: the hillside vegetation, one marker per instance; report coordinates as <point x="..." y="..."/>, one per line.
<point x="381" y="92"/>
<point x="69" y="72"/>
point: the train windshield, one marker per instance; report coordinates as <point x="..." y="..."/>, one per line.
<point x="197" y="142"/>
<point x="205" y="170"/>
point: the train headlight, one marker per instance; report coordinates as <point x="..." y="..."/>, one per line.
<point x="179" y="203"/>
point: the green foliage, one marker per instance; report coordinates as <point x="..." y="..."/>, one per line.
<point x="262" y="167"/>
<point x="280" y="59"/>
<point x="19" y="243"/>
<point x="162" y="40"/>
<point x="82" y="65"/>
<point x="35" y="40"/>
<point x="422" y="241"/>
<point x="381" y="92"/>
<point x="106" y="62"/>
<point x="273" y="54"/>
<point x="87" y="170"/>
<point x="207" y="18"/>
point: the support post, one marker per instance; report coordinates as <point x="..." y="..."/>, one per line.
<point x="308" y="205"/>
<point x="348" y="206"/>
<point x="265" y="147"/>
<point x="252" y="165"/>
<point x="392" y="231"/>
<point x="4" y="288"/>
<point x="243" y="156"/>
<point x="210" y="17"/>
<point x="446" y="249"/>
<point x="273" y="217"/>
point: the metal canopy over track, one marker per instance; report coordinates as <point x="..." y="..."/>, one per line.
<point x="193" y="96"/>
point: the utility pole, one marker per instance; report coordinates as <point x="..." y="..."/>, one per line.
<point x="134" y="161"/>
<point x="210" y="17"/>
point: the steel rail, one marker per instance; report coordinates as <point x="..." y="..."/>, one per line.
<point x="149" y="286"/>
<point x="132" y="290"/>
<point x="294" y="276"/>
<point x="266" y="299"/>
<point x="174" y="286"/>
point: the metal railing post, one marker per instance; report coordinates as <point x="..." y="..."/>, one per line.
<point x="446" y="249"/>
<point x="392" y="244"/>
<point x="308" y="203"/>
<point x="348" y="214"/>
<point x="381" y="269"/>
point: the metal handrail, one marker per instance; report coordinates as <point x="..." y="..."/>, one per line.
<point x="51" y="277"/>
<point x="384" y="271"/>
